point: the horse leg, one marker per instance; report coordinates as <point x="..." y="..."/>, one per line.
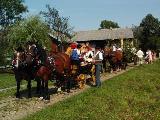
<point x="42" y="88"/>
<point x="115" y="67"/>
<point x="38" y="85"/>
<point x="18" y="88"/>
<point x="104" y="65"/>
<point x="46" y="96"/>
<point x="29" y="88"/>
<point x="68" y="82"/>
<point x="111" y="67"/>
<point x="59" y="83"/>
<point x="119" y="65"/>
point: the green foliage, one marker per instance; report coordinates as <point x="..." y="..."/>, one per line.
<point x="150" y="26"/>
<point x="128" y="52"/>
<point x="106" y="24"/>
<point x="132" y="95"/>
<point x="3" y="47"/>
<point x="150" y="33"/>
<point x="30" y="29"/>
<point x="60" y="25"/>
<point x="10" y="11"/>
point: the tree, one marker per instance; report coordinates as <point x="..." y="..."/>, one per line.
<point x="10" y="11"/>
<point x="3" y="46"/>
<point x="150" y="32"/>
<point x="30" y="29"/>
<point x="60" y="25"/>
<point x="106" y="24"/>
<point x="137" y="32"/>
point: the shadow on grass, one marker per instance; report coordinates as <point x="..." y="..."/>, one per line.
<point x="24" y="92"/>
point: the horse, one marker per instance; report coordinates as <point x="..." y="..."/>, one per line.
<point x="24" y="69"/>
<point x="62" y="69"/>
<point x="114" y="58"/>
<point x="55" y="66"/>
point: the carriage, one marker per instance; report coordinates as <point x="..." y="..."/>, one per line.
<point x="81" y="73"/>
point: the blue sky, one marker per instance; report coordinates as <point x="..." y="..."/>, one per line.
<point x="87" y="14"/>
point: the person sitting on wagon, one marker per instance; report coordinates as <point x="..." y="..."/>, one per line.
<point x="75" y="56"/>
<point x="88" y="57"/>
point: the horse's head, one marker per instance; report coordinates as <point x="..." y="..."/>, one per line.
<point x="32" y="50"/>
<point x="19" y="59"/>
<point x="31" y="53"/>
<point x="107" y="51"/>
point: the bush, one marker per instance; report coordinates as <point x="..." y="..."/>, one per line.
<point x="128" y="53"/>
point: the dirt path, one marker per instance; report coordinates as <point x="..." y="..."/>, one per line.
<point x="12" y="108"/>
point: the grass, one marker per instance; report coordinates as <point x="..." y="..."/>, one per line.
<point x="7" y="80"/>
<point x="132" y="95"/>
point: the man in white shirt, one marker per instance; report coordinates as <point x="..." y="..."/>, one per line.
<point x="98" y="64"/>
<point x="114" y="47"/>
<point x="140" y="55"/>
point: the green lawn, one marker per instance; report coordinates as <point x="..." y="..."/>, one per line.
<point x="132" y="95"/>
<point x="7" y="80"/>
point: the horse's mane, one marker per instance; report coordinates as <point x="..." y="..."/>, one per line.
<point x="20" y="49"/>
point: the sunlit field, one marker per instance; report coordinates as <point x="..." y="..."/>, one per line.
<point x="132" y="95"/>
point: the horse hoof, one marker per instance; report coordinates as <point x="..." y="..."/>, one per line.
<point x="29" y="96"/>
<point x="59" y="90"/>
<point x="46" y="101"/>
<point x="17" y="96"/>
<point x="40" y="98"/>
<point x="47" y="98"/>
<point x="68" y="91"/>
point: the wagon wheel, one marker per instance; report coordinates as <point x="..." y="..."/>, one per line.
<point x="93" y="75"/>
<point x="81" y="84"/>
<point x="81" y="81"/>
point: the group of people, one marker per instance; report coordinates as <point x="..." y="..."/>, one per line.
<point x="83" y="54"/>
<point x="149" y="57"/>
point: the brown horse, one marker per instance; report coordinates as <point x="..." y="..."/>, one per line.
<point x="55" y="66"/>
<point x="23" y="67"/>
<point x="62" y="68"/>
<point x="115" y="59"/>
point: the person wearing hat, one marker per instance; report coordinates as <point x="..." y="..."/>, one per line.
<point x="75" y="56"/>
<point x="98" y="57"/>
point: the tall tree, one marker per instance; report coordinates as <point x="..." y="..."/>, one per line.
<point x="60" y="25"/>
<point x="137" y="32"/>
<point x="107" y="24"/>
<point x="11" y="10"/>
<point x="30" y="29"/>
<point x="150" y="32"/>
